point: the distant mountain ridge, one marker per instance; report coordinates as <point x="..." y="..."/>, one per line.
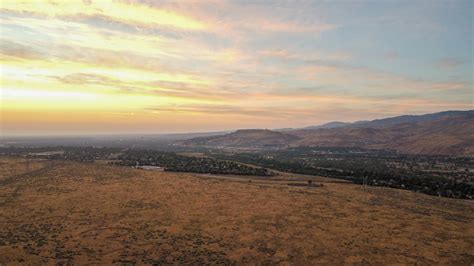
<point x="450" y="133"/>
<point x="412" y="118"/>
<point x="393" y="120"/>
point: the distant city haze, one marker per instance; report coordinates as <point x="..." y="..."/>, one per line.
<point x="103" y="67"/>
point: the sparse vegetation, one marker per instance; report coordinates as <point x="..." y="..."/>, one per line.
<point x="131" y="157"/>
<point x="178" y="163"/>
<point x="434" y="175"/>
<point x="86" y="213"/>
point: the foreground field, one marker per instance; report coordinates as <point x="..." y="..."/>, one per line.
<point x="60" y="212"/>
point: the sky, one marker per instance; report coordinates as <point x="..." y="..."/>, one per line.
<point x="100" y="67"/>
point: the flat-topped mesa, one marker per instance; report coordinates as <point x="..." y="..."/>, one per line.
<point x="246" y="138"/>
<point x="261" y="132"/>
<point x="252" y="130"/>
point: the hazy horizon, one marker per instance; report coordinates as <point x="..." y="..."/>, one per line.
<point x="143" y="67"/>
<point x="115" y="133"/>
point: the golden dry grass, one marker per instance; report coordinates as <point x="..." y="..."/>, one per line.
<point x="95" y="214"/>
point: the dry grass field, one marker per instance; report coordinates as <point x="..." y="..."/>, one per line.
<point x="64" y="212"/>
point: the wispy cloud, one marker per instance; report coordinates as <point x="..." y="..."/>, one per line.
<point x="449" y="63"/>
<point x="135" y="14"/>
<point x="173" y="64"/>
<point x="375" y="82"/>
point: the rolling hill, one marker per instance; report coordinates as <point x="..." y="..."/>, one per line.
<point x="447" y="133"/>
<point x="245" y="138"/>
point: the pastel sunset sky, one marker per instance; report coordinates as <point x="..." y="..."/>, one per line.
<point x="86" y="67"/>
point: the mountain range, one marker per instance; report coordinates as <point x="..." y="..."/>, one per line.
<point x="444" y="133"/>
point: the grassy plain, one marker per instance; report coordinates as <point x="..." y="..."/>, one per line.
<point x="65" y="212"/>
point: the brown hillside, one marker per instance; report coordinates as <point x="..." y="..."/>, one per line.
<point x="72" y="213"/>
<point x="447" y="134"/>
<point x="451" y="136"/>
<point x="245" y="138"/>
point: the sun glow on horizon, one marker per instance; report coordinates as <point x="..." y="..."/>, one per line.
<point x="143" y="66"/>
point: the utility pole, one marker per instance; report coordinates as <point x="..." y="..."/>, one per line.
<point x="27" y="163"/>
<point x="365" y="182"/>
